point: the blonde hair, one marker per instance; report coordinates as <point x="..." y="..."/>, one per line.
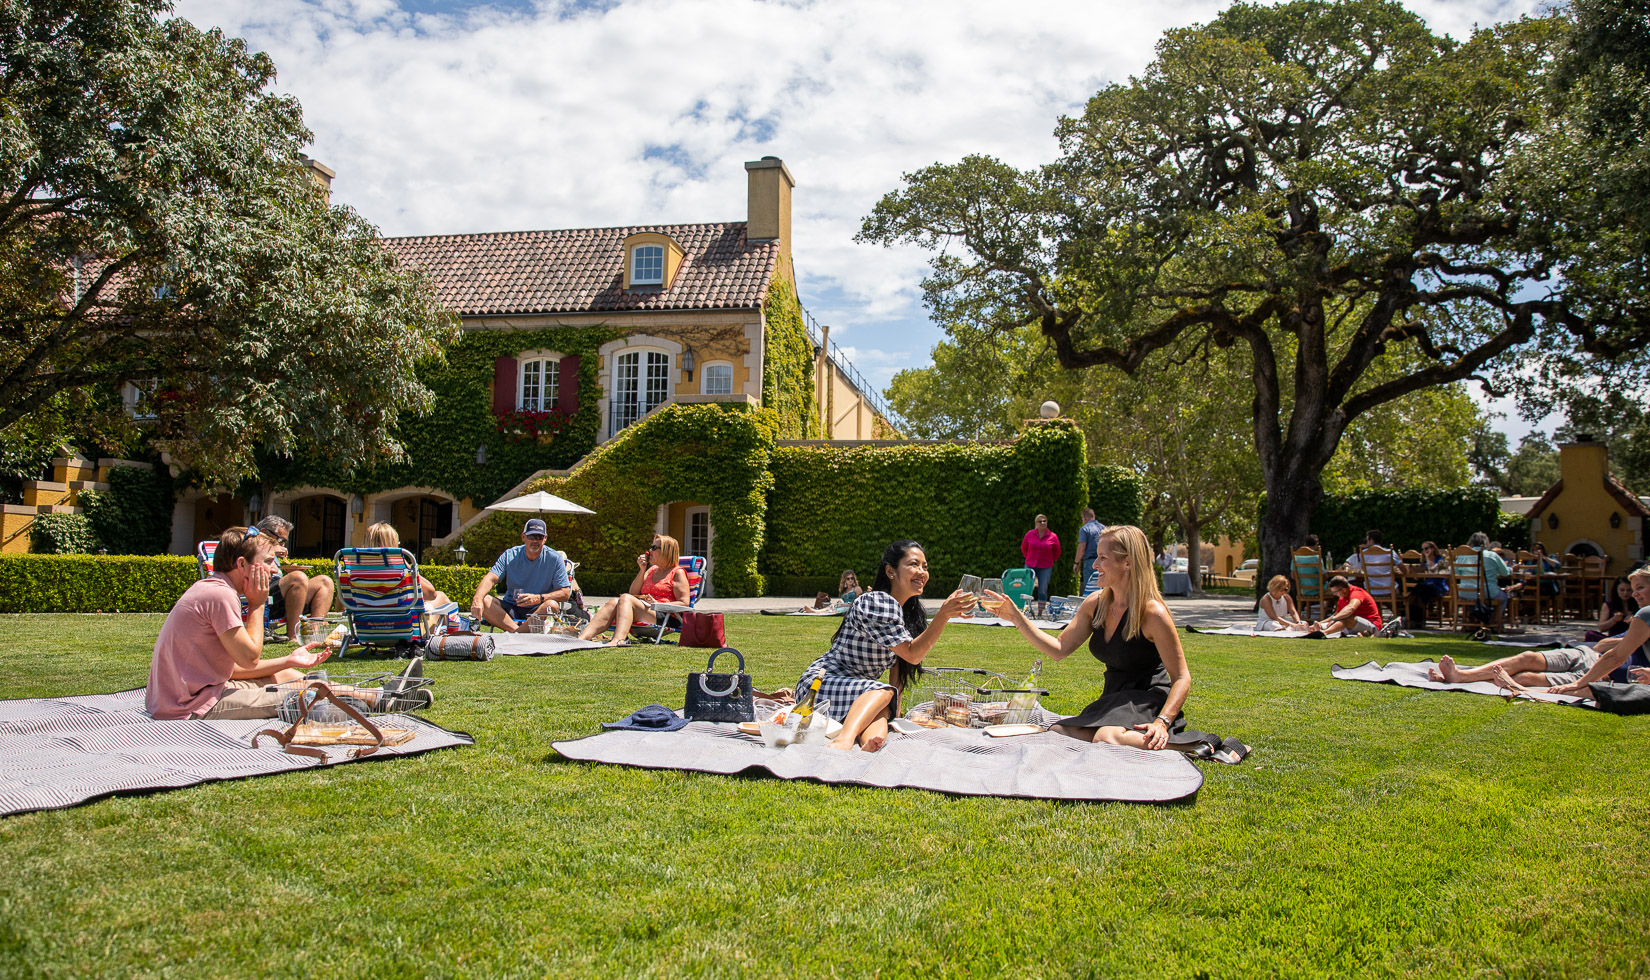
<point x="1276" y="581"/>
<point x="847" y="576"/>
<point x="670" y="550"/>
<point x="383" y="535"/>
<point x="1128" y="541"/>
<point x="1639" y="575"/>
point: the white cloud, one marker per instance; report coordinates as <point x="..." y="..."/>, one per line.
<point x="562" y="115"/>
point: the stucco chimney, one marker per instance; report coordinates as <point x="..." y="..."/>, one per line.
<point x="1583" y="463"/>
<point x="768" y="212"/>
<point x="321" y="174"/>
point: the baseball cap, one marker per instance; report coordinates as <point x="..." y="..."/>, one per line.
<point x="534" y="526"/>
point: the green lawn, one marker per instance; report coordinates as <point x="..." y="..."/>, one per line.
<point x="1375" y="831"/>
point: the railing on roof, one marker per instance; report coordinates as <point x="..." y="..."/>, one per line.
<point x="846" y="368"/>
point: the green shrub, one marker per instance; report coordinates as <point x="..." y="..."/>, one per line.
<point x="133" y="516"/>
<point x="1407" y="517"/>
<point x="1513" y="531"/>
<point x="1116" y="494"/>
<point x="62" y="534"/>
<point x="93" y="583"/>
<point x="969" y="505"/>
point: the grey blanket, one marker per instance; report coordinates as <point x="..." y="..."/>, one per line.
<point x="961" y="761"/>
<point x="1415" y="675"/>
<point x="538" y="644"/>
<point x="60" y="752"/>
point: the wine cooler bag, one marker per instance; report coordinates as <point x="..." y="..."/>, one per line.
<point x="703" y="630"/>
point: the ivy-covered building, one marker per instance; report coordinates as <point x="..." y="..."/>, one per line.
<point x="571" y="336"/>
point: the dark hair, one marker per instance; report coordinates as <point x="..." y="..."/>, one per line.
<point x="1616" y="603"/>
<point x="1311" y="541"/>
<point x="1338" y="582"/>
<point x="1374" y="536"/>
<point x="235" y="543"/>
<point x="902" y="673"/>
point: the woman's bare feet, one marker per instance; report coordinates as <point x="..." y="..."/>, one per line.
<point x="1446" y="671"/>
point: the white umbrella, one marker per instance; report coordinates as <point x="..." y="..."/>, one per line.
<point x="540" y="502"/>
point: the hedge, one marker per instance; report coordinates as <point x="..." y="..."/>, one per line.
<point x="715" y="455"/>
<point x="833" y="508"/>
<point x="62" y="534"/>
<point x="146" y="583"/>
<point x="1117" y="495"/>
<point x="1407" y="517"/>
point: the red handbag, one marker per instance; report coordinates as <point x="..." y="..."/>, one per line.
<point x="703" y="630"/>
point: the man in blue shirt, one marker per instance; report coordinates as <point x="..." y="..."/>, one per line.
<point x="1088" y="547"/>
<point x="535" y="580"/>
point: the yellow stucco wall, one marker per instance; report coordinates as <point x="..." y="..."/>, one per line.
<point x="1584" y="507"/>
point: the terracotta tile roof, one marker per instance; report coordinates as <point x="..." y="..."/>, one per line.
<point x="582" y="270"/>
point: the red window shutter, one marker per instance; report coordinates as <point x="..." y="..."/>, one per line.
<point x="567" y="398"/>
<point x="504" y="385"/>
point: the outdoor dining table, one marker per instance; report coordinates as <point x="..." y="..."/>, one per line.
<point x="1177" y="583"/>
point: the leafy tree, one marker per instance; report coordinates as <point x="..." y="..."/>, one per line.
<point x="1364" y="208"/>
<point x="158" y="228"/>
<point x="1532" y="469"/>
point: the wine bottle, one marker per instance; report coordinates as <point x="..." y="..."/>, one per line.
<point x="805" y="704"/>
<point x="1028" y="698"/>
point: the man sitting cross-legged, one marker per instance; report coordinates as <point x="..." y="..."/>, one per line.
<point x="535" y="575"/>
<point x="1563" y="671"/>
<point x="207" y="660"/>
<point x="1356" y="613"/>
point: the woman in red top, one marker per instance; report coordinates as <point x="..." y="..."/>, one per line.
<point x="1041" y="548"/>
<point x="1356" y="613"/>
<point x="658" y="579"/>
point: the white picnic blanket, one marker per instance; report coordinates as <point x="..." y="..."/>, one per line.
<point x="1415" y="675"/>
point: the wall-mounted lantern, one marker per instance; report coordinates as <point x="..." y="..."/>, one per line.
<point x="687" y="364"/>
<point x="1615" y="519"/>
<point x="481" y="455"/>
<point x="1552" y="521"/>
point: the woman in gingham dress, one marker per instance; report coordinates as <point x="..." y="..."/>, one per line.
<point x="884" y="630"/>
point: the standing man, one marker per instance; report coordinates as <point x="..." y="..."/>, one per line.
<point x="294" y="589"/>
<point x="1088" y="547"/>
<point x="207" y="659"/>
<point x="535" y="578"/>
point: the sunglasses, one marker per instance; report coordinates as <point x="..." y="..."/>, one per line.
<point x="655" y="546"/>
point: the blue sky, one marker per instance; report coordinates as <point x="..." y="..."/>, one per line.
<point x="444" y="117"/>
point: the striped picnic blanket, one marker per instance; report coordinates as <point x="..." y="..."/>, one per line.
<point x="61" y="752"/>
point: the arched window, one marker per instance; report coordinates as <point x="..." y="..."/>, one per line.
<point x="716" y="378"/>
<point x="647" y="265"/>
<point x="538" y="382"/>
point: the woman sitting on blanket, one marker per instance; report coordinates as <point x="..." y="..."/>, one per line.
<point x="1568" y="670"/>
<point x="847" y="589"/>
<point x="658" y="579"/>
<point x="1130" y="630"/>
<point x="1277" y="608"/>
<point x="885" y="630"/>
<point x="384" y="535"/>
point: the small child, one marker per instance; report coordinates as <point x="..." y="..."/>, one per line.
<point x="1277" y="608"/>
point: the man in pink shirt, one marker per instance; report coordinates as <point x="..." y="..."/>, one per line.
<point x="208" y="662"/>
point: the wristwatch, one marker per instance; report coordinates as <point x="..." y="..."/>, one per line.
<point x="1167" y="723"/>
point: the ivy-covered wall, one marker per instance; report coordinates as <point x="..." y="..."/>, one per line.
<point x="441" y="446"/>
<point x="834" y="508"/>
<point x="788" y="366"/>
<point x="1117" y="495"/>
<point x="716" y="455"/>
<point x="133" y="516"/>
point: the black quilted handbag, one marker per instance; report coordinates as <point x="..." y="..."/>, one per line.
<point x="720" y="697"/>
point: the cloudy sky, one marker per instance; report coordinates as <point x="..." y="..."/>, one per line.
<point x="444" y="117"/>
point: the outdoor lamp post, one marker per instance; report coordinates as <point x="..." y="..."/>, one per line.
<point x="462" y="555"/>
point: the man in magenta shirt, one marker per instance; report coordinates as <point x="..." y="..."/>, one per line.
<point x="1355" y="611"/>
<point x="208" y="661"/>
<point x="1041" y="548"/>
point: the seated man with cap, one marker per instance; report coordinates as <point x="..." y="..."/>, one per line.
<point x="535" y="581"/>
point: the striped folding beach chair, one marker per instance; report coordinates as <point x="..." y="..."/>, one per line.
<point x="383" y="604"/>
<point x="670" y="620"/>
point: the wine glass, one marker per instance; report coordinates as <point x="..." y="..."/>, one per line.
<point x="971" y="584"/>
<point x="994" y="585"/>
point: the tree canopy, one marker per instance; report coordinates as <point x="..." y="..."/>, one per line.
<point x="1365" y="209"/>
<point x="158" y="228"/>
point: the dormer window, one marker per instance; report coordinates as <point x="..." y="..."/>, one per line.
<point x="651" y="259"/>
<point x="647" y="265"/>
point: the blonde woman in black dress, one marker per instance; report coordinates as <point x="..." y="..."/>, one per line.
<point x="1129" y="629"/>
